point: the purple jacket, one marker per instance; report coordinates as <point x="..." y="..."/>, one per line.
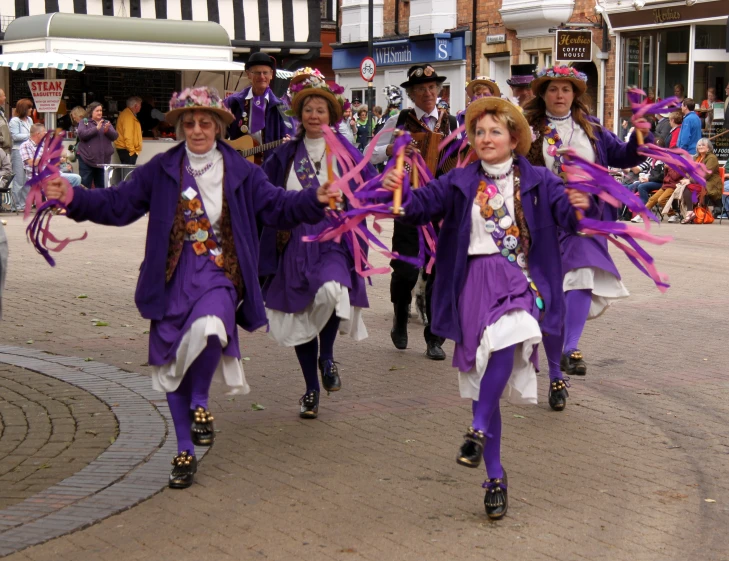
<point x="154" y="188"/>
<point x="451" y="196"/>
<point x="95" y="147"/>
<point x="276" y="168"/>
<point x="277" y="125"/>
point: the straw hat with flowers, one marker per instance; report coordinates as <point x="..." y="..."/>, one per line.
<point x="307" y="82"/>
<point x="568" y="73"/>
<point x="196" y="99"/>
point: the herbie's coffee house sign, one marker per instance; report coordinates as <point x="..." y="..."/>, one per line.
<point x="573" y="46"/>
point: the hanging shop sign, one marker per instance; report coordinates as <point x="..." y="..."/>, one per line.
<point x="573" y="46"/>
<point x="47" y="94"/>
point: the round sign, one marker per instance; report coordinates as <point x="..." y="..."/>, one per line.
<point x="367" y="69"/>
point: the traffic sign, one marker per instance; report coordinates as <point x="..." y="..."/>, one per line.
<point x="367" y="68"/>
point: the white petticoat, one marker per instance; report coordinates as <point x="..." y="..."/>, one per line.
<point x="516" y="327"/>
<point x="290" y="330"/>
<point x="167" y="378"/>
<point x="605" y="287"/>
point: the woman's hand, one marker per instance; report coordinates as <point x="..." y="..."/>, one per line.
<point x="393" y="180"/>
<point x="325" y="193"/>
<point x="99" y="124"/>
<point x="56" y="189"/>
<point x="578" y="199"/>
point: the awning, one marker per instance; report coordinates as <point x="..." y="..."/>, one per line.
<point x="34" y="61"/>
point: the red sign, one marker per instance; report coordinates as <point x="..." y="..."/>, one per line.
<point x="367" y="69"/>
<point x="46" y="94"/>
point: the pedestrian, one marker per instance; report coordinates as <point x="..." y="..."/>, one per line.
<point x="498" y="253"/>
<point x="429" y="126"/>
<point x="31" y="153"/>
<point x="690" y="127"/>
<point x="520" y="80"/>
<point x="347" y="126"/>
<point x="129" y="140"/>
<point x="258" y="112"/>
<point x="313" y="290"/>
<point x="95" y="148"/>
<point x="20" y="132"/>
<point x="6" y="139"/>
<point x="560" y="119"/>
<point x="365" y="128"/>
<point x="379" y="118"/>
<point x="201" y="257"/>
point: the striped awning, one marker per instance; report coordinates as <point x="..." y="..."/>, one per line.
<point x="35" y="61"/>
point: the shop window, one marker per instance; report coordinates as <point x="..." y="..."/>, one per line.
<point x="358" y="96"/>
<point x="710" y="37"/>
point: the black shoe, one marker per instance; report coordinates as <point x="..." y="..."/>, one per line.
<point x="435" y="351"/>
<point x="183" y="471"/>
<point x="471" y="450"/>
<point x="399" y="331"/>
<point x="309" y="405"/>
<point x="329" y="375"/>
<point x="203" y="432"/>
<point x="496" y="500"/>
<point x="558" y="394"/>
<point x="573" y="364"/>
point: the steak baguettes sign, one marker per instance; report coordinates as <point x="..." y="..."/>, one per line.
<point x="573" y="46"/>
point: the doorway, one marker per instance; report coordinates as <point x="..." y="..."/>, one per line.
<point x="500" y="70"/>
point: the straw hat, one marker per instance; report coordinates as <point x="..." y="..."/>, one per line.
<point x="568" y="73"/>
<point x="481" y="105"/>
<point x="197" y="99"/>
<point x="483" y="81"/>
<point x="309" y="81"/>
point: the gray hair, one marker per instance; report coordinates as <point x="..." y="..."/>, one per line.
<point x="180" y="131"/>
<point x="35" y="128"/>
<point x="707" y="142"/>
<point x="132" y="101"/>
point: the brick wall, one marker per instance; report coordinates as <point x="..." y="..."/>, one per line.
<point x="389" y="18"/>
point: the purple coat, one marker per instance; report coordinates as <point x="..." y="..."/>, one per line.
<point x="277" y="125"/>
<point x="95" y="147"/>
<point x="592" y="251"/>
<point x="276" y="168"/>
<point x="154" y="188"/>
<point x="451" y="197"/>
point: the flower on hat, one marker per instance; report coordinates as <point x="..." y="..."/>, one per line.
<point x="558" y="71"/>
<point x="305" y="78"/>
<point x="201" y="96"/>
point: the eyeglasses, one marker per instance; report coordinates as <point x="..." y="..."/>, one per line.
<point x="204" y="125"/>
<point x="264" y="73"/>
<point x="432" y="88"/>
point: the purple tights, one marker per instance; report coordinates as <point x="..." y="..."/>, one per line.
<point x="486" y="413"/>
<point x="577" y="305"/>
<point x="193" y="392"/>
<point x="553" y="349"/>
<point x="309" y="353"/>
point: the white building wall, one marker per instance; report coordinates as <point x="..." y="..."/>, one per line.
<point x="355" y="20"/>
<point x="432" y="16"/>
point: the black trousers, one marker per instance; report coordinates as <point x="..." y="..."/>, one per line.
<point x="125" y="157"/>
<point x="405" y="276"/>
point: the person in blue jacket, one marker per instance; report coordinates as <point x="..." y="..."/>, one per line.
<point x="690" y="128"/>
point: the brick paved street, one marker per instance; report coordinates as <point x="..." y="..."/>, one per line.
<point x="636" y="468"/>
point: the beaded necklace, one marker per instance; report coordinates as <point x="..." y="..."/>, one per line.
<point x="554" y="141"/>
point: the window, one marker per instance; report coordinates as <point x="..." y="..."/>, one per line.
<point x="710" y="37"/>
<point x="534" y="58"/>
<point x="327" y="10"/>
<point x="547" y="59"/>
<point x="358" y="96"/>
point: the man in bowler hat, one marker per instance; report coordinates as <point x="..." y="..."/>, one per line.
<point x="521" y="76"/>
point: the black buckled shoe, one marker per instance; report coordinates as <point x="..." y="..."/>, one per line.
<point x="183" y="471"/>
<point x="309" y="405"/>
<point x="434" y="351"/>
<point x="329" y="375"/>
<point x="496" y="500"/>
<point x="573" y="363"/>
<point x="203" y="431"/>
<point x="471" y="450"/>
<point x="399" y="331"/>
<point x="558" y="394"/>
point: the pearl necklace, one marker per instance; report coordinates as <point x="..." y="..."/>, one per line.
<point x="198" y="172"/>
<point x="500" y="176"/>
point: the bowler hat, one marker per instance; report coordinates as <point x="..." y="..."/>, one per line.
<point x="261" y="59"/>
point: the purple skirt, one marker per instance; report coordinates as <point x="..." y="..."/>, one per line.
<point x="585" y="251"/>
<point x="305" y="266"/>
<point x="198" y="288"/>
<point x="493" y="288"/>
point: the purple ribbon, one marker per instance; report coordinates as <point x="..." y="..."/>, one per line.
<point x="258" y="112"/>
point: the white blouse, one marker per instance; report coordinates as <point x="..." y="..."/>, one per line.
<point x="572" y="135"/>
<point x="210" y="183"/>
<point x="316" y="148"/>
<point x="481" y="242"/>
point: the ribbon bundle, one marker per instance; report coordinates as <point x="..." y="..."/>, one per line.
<point x="45" y="168"/>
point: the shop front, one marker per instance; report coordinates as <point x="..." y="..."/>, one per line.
<point x="446" y="52"/>
<point x="666" y="49"/>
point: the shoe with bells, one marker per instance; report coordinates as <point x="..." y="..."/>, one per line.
<point x="573" y="363"/>
<point x="329" y="375"/>
<point x="309" y="405"/>
<point x="558" y="394"/>
<point x="183" y="471"/>
<point x="496" y="500"/>
<point x="471" y="450"/>
<point x="203" y="431"/>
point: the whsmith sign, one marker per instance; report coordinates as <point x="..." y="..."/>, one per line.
<point x="573" y="46"/>
<point x="437" y="49"/>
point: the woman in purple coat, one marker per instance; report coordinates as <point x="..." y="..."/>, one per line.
<point x="560" y="119"/>
<point x="313" y="290"/>
<point x="199" y="276"/>
<point x="96" y="146"/>
<point x="499" y="283"/>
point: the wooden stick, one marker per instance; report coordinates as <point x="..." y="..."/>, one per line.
<point x="639" y="136"/>
<point x="330" y="177"/>
<point x="397" y="193"/>
<point x="413" y="175"/>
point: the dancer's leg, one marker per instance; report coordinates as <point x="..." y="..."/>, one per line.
<point x="577" y="306"/>
<point x="307" y="355"/>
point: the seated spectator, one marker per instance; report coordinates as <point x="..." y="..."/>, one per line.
<point x="694" y="192"/>
<point x="670" y="178"/>
<point x="650" y="176"/>
<point x="29" y="156"/>
<point x="6" y="168"/>
<point x="675" y="118"/>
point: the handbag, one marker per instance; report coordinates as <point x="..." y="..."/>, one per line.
<point x="72" y="151"/>
<point x="702" y="215"/>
